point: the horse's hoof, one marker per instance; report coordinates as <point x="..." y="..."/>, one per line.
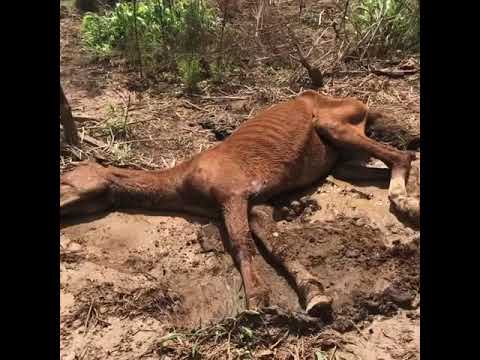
<point x="319" y="305"/>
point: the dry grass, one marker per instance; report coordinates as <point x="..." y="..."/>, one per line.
<point x="270" y="333"/>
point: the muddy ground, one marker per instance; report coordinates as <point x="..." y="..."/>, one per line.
<point x="160" y="286"/>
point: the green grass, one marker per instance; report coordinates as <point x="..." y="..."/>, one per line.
<point x="382" y="26"/>
<point x="161" y="29"/>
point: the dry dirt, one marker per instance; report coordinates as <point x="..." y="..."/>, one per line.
<point x="129" y="279"/>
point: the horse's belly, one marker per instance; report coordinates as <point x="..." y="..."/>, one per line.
<point x="316" y="162"/>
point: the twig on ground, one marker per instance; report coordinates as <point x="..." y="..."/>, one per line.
<point x="333" y="357"/>
<point x="280" y="340"/>
<point x="88" y="316"/>
<point x="195" y="106"/>
<point x="91" y="140"/>
<point x="224" y="97"/>
<point x="393" y="73"/>
<point x="82" y="119"/>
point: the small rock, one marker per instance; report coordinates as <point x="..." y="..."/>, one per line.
<point x="303" y="200"/>
<point x="308" y="201"/>
<point x="372" y="306"/>
<point x="77" y="323"/>
<point x="284" y="210"/>
<point x="342" y="325"/>
<point x="312" y="204"/>
<point x="291" y="215"/>
<point x="64" y="241"/>
<point x="296" y="206"/>
<point x="360" y="222"/>
<point x="398" y="296"/>
<point x="275" y="234"/>
<point x="74" y="246"/>
<point x="416" y="301"/>
<point x="210" y="239"/>
<point x="71" y="356"/>
<point x="352" y="253"/>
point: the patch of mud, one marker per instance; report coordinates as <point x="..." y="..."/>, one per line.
<point x="362" y="275"/>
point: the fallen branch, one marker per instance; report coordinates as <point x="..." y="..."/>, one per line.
<point x="93" y="141"/>
<point x="82" y="119"/>
<point x="224" y="97"/>
<point x="393" y="73"/>
<point x="194" y="106"/>
<point x="315" y="74"/>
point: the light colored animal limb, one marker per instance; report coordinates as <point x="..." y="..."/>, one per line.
<point x="397" y="193"/>
<point x="349" y="136"/>
<point x="235" y="212"/>
<point x="308" y="287"/>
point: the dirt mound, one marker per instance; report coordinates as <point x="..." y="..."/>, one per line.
<point x="361" y="274"/>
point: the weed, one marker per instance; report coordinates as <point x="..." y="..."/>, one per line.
<point x="115" y="125"/>
<point x="384" y="25"/>
<point x="121" y="153"/>
<point x="190" y="72"/>
<point x="157" y="29"/>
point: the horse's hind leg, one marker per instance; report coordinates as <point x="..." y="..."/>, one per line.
<point x="347" y="136"/>
<point x="235" y="211"/>
<point x="307" y="286"/>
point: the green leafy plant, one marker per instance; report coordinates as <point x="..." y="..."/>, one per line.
<point x="159" y="29"/>
<point x="197" y="22"/>
<point x="121" y="153"/>
<point x="115" y="125"/>
<point x="384" y="25"/>
<point x="190" y="72"/>
<point x="219" y="71"/>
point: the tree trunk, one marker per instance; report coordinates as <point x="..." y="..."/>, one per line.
<point x="66" y="119"/>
